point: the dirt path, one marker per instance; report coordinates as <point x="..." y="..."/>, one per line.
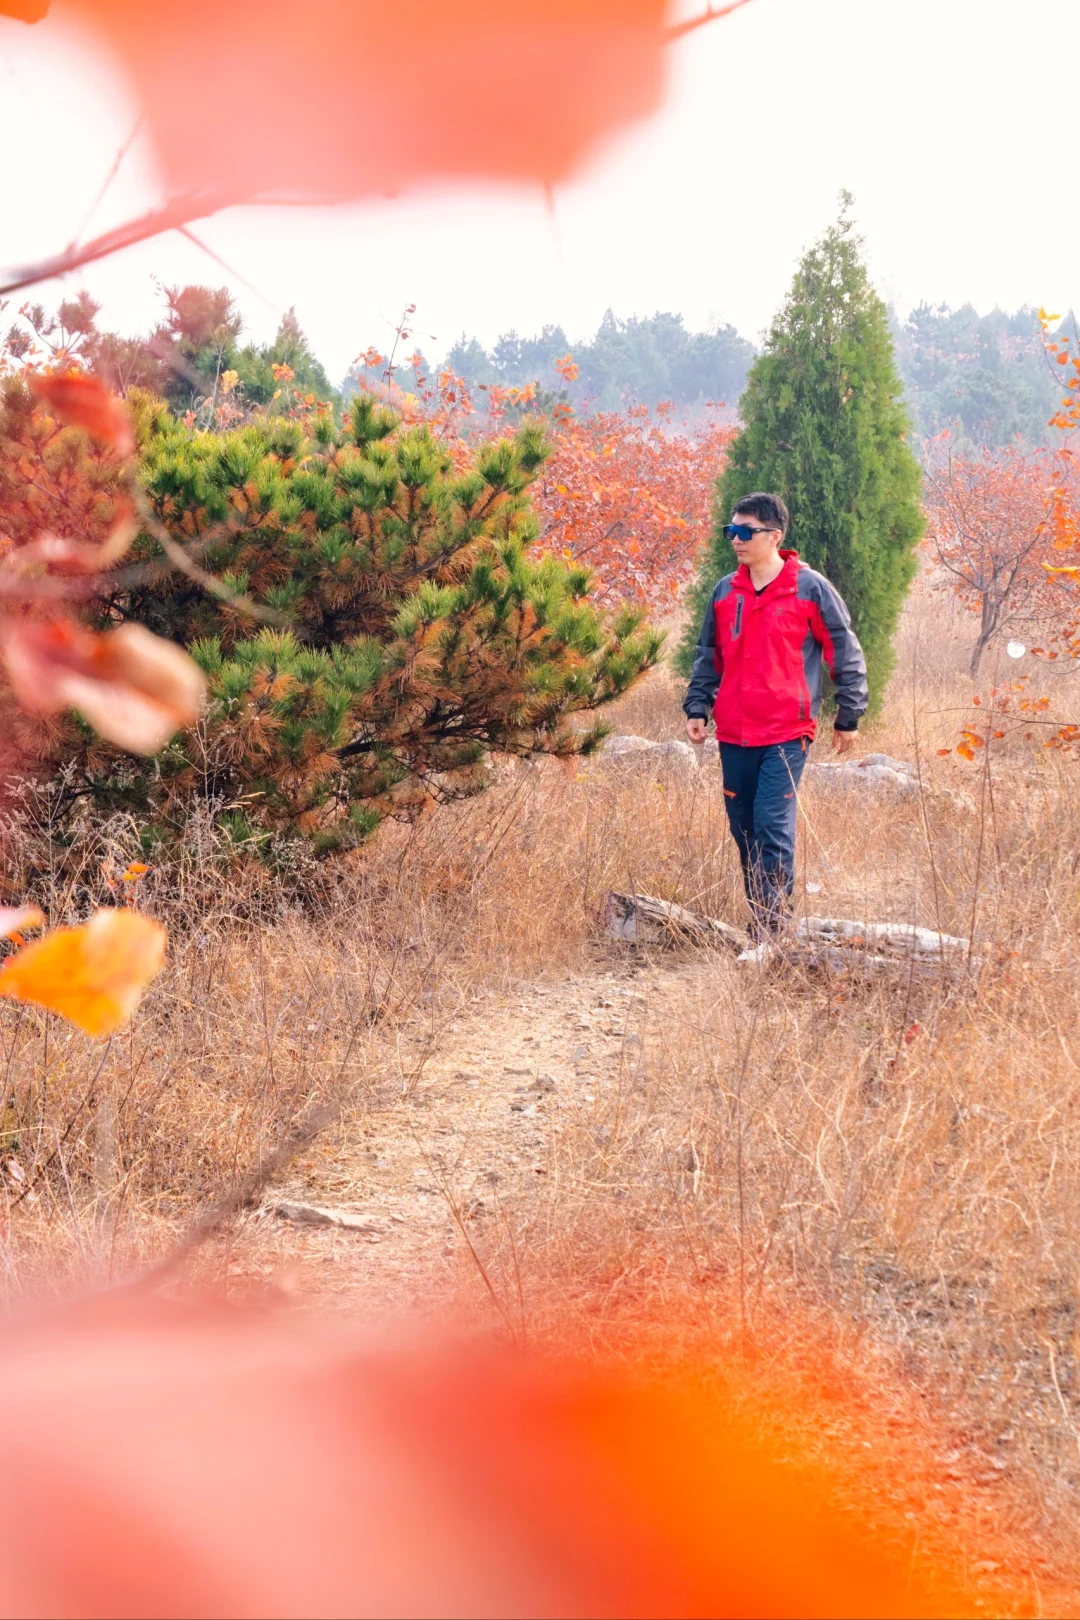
<point x="465" y="1125"/>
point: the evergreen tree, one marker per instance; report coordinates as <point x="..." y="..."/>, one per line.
<point x="418" y="630"/>
<point x="825" y="427"/>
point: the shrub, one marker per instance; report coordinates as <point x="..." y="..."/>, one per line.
<point x="411" y="631"/>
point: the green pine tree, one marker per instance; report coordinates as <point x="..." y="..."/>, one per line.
<point x="418" y="630"/>
<point x="825" y="427"/>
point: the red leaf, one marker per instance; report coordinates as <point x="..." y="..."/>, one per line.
<point x="84" y="402"/>
<point x="133" y="688"/>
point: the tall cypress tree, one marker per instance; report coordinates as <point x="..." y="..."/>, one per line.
<point x="824" y="426"/>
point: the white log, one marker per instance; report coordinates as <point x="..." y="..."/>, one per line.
<point x="834" y="959"/>
<point x="890" y="938"/>
<point x="642" y="919"/>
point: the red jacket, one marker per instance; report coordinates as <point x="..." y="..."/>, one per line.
<point x="758" y="663"/>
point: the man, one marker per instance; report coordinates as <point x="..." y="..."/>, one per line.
<point x="758" y="667"/>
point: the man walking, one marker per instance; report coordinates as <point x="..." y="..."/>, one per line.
<point x="758" y="668"/>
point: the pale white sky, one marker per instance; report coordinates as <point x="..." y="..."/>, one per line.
<point x="948" y="119"/>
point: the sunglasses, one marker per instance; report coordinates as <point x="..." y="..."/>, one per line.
<point x="743" y="531"/>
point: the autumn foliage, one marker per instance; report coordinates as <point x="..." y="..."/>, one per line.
<point x="995" y="521"/>
<point x="629" y="494"/>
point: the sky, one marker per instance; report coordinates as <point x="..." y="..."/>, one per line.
<point x="947" y="119"/>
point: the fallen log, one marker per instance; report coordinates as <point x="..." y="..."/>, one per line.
<point x="892" y="939"/>
<point x="821" y="944"/>
<point x="642" y="919"/>
<point x="842" y="961"/>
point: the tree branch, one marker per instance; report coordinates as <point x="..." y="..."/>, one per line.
<point x="678" y="30"/>
<point x="173" y="214"/>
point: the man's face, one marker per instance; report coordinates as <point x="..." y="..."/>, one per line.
<point x="761" y="545"/>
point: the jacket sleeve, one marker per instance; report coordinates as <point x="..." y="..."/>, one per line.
<point x="705" y="679"/>
<point x="843" y="656"/>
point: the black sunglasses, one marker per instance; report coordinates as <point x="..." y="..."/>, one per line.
<point x="743" y="531"/>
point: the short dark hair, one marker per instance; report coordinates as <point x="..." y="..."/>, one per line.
<point x="768" y="509"/>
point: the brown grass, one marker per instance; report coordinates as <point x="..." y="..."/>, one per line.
<point x="904" y="1159"/>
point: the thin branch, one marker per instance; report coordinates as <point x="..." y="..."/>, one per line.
<point x="178" y="211"/>
<point x="228" y="268"/>
<point x="103" y="190"/>
<point x="678" y="30"/>
<point x="209" y="582"/>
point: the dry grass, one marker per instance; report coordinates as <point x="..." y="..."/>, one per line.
<point x="905" y="1160"/>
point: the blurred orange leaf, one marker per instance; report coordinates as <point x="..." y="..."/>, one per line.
<point x="84" y="402"/>
<point x="15" y="918"/>
<point x="352" y="132"/>
<point x="94" y="975"/>
<point x="135" y="689"/>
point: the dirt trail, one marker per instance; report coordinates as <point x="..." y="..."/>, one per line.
<point x="466" y="1125"/>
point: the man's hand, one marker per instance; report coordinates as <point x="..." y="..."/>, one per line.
<point x="843" y="741"/>
<point x="696" y="729"/>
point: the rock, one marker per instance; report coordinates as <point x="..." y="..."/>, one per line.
<point x="315" y="1215"/>
<point x="883" y="773"/>
<point x="632" y="750"/>
<point x="901" y="765"/>
<point x="859" y="773"/>
<point x="641" y="919"/>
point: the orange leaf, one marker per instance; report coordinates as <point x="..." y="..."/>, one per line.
<point x="94" y="975"/>
<point x="133" y="688"/>
<point x="944" y="751"/>
<point x="15" y="918"/>
<point x="601" y="63"/>
<point x="84" y="402"/>
<point x="966" y="750"/>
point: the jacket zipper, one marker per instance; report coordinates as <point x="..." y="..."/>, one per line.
<point x="738" y="618"/>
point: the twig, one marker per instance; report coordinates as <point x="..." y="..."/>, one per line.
<point x="678" y="30"/>
<point x="208" y="582"/>
<point x="178" y="211"/>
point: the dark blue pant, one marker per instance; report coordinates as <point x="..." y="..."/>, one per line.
<point x="759" y="791"/>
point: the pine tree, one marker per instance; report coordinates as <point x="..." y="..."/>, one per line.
<point x="417" y="631"/>
<point x="824" y="426"/>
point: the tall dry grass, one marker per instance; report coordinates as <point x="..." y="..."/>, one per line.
<point x="903" y="1157"/>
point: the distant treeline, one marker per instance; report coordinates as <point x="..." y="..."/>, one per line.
<point x="649" y="360"/>
<point x="984" y="378"/>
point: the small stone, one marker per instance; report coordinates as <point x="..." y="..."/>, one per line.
<point x="543" y="1082"/>
<point x="579" y="1053"/>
